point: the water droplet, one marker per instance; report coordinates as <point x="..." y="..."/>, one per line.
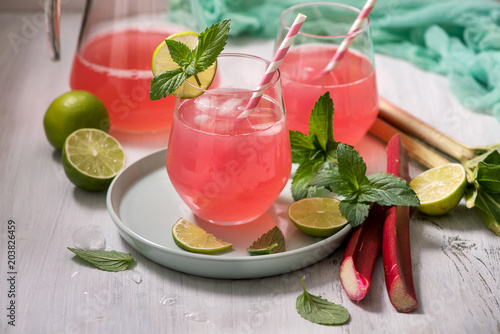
<point x="74" y="274"/>
<point x="89" y="237"/>
<point x="168" y="300"/>
<point x="136" y="277"/>
<point x="196" y="316"/>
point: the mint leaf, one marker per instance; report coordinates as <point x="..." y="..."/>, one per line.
<point x="270" y="242"/>
<point x="319" y="310"/>
<point x="330" y="178"/>
<point x="166" y="83"/>
<point x="389" y="190"/>
<point x="105" y="260"/>
<point x="302" y="147"/>
<point x="211" y="42"/>
<point x="303" y="175"/>
<point x="321" y="120"/>
<point x="354" y="210"/>
<point x="179" y="52"/>
<point x="352" y="167"/>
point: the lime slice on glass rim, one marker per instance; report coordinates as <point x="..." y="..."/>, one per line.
<point x="194" y="239"/>
<point x="317" y="216"/>
<point x="440" y="189"/>
<point x="92" y="158"/>
<point x="162" y="61"/>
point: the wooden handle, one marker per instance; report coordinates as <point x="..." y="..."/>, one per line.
<point x="420" y="153"/>
<point x="423" y="131"/>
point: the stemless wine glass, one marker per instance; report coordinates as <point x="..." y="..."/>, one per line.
<point x="230" y="171"/>
<point x="351" y="84"/>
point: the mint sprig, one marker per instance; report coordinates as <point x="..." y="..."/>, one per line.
<point x="211" y="42"/>
<point x="327" y="164"/>
<point x="105" y="260"/>
<point x="319" y="310"/>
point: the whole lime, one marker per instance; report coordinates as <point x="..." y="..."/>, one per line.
<point x="72" y="111"/>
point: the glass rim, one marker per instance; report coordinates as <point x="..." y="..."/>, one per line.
<point x="363" y="28"/>
<point x="274" y="81"/>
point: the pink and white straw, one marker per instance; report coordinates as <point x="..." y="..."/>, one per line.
<point x="273" y="66"/>
<point x="346" y="43"/>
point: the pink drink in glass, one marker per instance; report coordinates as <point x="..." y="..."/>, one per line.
<point x="228" y="172"/>
<point x="116" y="67"/>
<point x="352" y="87"/>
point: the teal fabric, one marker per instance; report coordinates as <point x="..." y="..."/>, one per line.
<point x="456" y="38"/>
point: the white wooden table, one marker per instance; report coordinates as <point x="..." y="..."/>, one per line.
<point x="456" y="260"/>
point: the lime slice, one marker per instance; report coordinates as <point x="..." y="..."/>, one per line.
<point x="440" y="189"/>
<point x="162" y="61"/>
<point x="317" y="216"/>
<point x="92" y="158"/>
<point x="192" y="238"/>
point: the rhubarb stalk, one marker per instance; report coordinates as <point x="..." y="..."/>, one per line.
<point x="396" y="237"/>
<point x="361" y="253"/>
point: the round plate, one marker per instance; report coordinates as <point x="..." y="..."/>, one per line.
<point x="144" y="206"/>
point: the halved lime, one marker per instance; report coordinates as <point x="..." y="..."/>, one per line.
<point x="317" y="216"/>
<point x="162" y="61"/>
<point x="440" y="189"/>
<point x="193" y="238"/>
<point x="92" y="158"/>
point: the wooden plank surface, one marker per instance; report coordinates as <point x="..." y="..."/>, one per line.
<point x="456" y="259"/>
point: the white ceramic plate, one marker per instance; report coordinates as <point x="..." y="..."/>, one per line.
<point x="144" y="206"/>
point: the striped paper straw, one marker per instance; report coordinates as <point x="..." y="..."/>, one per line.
<point x="273" y="66"/>
<point x="346" y="43"/>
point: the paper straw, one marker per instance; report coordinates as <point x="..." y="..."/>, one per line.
<point x="346" y="43"/>
<point x="273" y="66"/>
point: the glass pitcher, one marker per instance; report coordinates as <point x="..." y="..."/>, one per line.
<point x="113" y="58"/>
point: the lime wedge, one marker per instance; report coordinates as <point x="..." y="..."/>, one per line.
<point x="162" y="61"/>
<point x="193" y="238"/>
<point x="92" y="158"/>
<point x="440" y="189"/>
<point x="317" y="216"/>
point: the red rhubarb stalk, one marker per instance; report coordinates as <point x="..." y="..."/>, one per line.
<point x="396" y="237"/>
<point x="361" y="253"/>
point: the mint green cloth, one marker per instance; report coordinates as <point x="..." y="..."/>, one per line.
<point x="456" y="38"/>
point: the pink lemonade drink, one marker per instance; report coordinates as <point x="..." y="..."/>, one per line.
<point x="227" y="171"/>
<point x="116" y="67"/>
<point x="352" y="87"/>
<point x="351" y="81"/>
<point x="230" y="171"/>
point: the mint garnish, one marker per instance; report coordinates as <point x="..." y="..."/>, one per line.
<point x="319" y="310"/>
<point x="211" y="42"/>
<point x="327" y="164"/>
<point x="270" y="242"/>
<point x="105" y="260"/>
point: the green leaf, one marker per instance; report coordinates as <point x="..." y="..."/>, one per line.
<point x="488" y="206"/>
<point x="354" y="211"/>
<point x="319" y="310"/>
<point x="331" y="179"/>
<point x="352" y="167"/>
<point x="270" y="242"/>
<point x="488" y="176"/>
<point x="302" y="146"/>
<point x="303" y="175"/>
<point x="211" y="42"/>
<point x="105" y="260"/>
<point x="321" y="120"/>
<point x="179" y="52"/>
<point x="166" y="83"/>
<point x="387" y="189"/>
